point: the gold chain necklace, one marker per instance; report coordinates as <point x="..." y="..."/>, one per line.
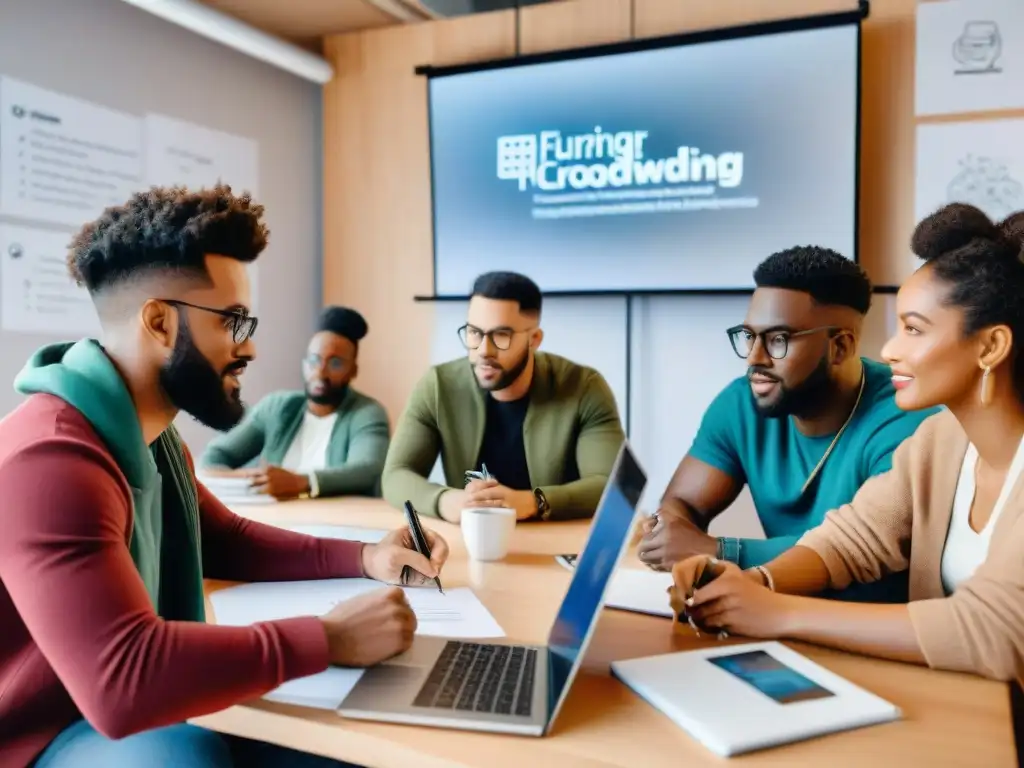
<point x="821" y="463"/>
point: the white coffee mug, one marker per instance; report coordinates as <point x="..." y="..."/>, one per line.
<point x="487" y="532"/>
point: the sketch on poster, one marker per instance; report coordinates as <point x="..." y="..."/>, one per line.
<point x="986" y="182"/>
<point x="969" y="56"/>
<point x="976" y="162"/>
<point x="978" y="48"/>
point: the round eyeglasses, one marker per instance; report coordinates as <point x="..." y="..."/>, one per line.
<point x="774" y="340"/>
<point x="472" y="337"/>
<point x="241" y="323"/>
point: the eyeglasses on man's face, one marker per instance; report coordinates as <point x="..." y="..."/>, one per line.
<point x="472" y="337"/>
<point x="774" y="340"/>
<point x="334" y="363"/>
<point x="240" y="322"/>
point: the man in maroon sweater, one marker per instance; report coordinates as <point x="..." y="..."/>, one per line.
<point x="107" y="536"/>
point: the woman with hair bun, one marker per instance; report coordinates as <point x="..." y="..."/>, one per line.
<point x="951" y="510"/>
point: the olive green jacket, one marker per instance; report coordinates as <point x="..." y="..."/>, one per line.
<point x="355" y="455"/>
<point x="572" y="435"/>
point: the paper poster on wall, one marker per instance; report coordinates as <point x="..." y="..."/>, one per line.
<point x="63" y="160"/>
<point x="981" y="163"/>
<point x="970" y="56"/>
<point x="182" y="153"/>
<point x="36" y="293"/>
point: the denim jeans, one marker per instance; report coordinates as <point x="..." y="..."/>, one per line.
<point x="81" y="746"/>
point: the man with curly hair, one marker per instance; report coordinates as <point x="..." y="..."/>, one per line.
<point x="104" y="652"/>
<point x="804" y="428"/>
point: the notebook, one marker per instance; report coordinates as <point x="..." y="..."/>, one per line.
<point x="741" y="698"/>
<point x="633" y="589"/>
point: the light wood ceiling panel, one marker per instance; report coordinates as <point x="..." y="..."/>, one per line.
<point x="305" y="21"/>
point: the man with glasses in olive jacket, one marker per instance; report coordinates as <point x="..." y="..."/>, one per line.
<point x="514" y="427"/>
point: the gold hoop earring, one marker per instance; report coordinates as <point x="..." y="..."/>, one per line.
<point x="987" y="382"/>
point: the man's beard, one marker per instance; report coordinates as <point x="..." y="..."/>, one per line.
<point x="193" y="386"/>
<point x="802" y="399"/>
<point x="508" y="375"/>
<point x="330" y="395"/>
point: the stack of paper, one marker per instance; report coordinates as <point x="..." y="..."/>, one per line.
<point x="455" y="613"/>
<point x="234" y="490"/>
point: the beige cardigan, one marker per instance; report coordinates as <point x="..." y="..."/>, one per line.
<point x="899" y="520"/>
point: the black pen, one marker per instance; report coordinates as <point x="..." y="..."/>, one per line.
<point x="419" y="539"/>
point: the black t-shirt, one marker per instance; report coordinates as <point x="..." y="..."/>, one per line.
<point x="503" y="450"/>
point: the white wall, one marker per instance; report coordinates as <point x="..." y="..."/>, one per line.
<point x="681" y="359"/>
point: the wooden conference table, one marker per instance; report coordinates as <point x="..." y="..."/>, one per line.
<point x="949" y="719"/>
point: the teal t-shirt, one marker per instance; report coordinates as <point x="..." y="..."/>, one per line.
<point x="774" y="459"/>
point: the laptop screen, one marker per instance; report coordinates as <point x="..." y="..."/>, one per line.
<point x="581" y="607"/>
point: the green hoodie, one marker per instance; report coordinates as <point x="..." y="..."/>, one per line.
<point x="164" y="540"/>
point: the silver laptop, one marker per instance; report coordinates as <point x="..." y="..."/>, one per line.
<point x="501" y="687"/>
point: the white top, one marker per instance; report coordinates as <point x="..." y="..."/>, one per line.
<point x="966" y="548"/>
<point x="308" y="451"/>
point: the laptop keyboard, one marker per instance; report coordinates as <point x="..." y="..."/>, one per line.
<point x="476" y="677"/>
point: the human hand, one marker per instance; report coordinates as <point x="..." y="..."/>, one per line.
<point x="489" y="493"/>
<point x="278" y="482"/>
<point x="719" y="597"/>
<point x="669" y="539"/>
<point x="387" y="559"/>
<point x="369" y="628"/>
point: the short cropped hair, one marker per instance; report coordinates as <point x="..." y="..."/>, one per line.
<point x="827" y="276"/>
<point x="165" y="230"/>
<point x="509" y="286"/>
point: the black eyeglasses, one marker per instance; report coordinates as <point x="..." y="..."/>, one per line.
<point x="243" y="325"/>
<point x="774" y="340"/>
<point x="334" y="362"/>
<point x="472" y="337"/>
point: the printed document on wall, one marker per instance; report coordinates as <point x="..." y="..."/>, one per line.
<point x="36" y="293"/>
<point x="970" y="56"/>
<point x="981" y="163"/>
<point x="194" y="156"/>
<point x="62" y="159"/>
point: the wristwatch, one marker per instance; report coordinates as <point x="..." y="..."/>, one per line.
<point x="543" y="508"/>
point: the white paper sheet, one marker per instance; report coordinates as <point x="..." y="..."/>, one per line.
<point x="63" y="160"/>
<point x="37" y="294"/>
<point x="981" y="163"/>
<point x="348" y="532"/>
<point x="640" y="591"/>
<point x="970" y="56"/>
<point x="456" y="613"/>
<point x="178" y="152"/>
<point x="233" y="491"/>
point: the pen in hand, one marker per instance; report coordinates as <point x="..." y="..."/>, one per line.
<point x="419" y="540"/>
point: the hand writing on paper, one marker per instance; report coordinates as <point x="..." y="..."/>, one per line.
<point x="670" y="539"/>
<point x="719" y="597"/>
<point x="278" y="482"/>
<point x="370" y="628"/>
<point x="489" y="493"/>
<point x="385" y="560"/>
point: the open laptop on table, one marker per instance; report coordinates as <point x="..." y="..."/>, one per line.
<point x="502" y="687"/>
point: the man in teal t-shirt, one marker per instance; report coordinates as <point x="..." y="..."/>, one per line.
<point x="808" y="424"/>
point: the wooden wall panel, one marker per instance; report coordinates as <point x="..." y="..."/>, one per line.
<point x="550" y="27"/>
<point x="666" y="17"/>
<point x="377" y="217"/>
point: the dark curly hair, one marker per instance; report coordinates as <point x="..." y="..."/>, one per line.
<point x="981" y="263"/>
<point x="828" y="277"/>
<point x="1013" y="227"/>
<point x="167" y="229"/>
